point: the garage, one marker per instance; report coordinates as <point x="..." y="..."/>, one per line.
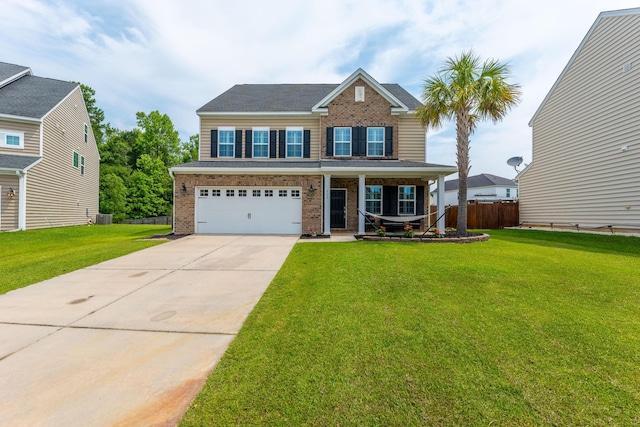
<point x="248" y="210"/>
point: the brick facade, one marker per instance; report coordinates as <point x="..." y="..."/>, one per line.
<point x="345" y="111"/>
<point x="184" y="202"/>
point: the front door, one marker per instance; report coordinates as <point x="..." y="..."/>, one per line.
<point x="338" y="208"/>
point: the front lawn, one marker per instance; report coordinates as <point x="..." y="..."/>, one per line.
<point x="35" y="255"/>
<point x="529" y="328"/>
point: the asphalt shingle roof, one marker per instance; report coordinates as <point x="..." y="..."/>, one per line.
<point x="250" y="98"/>
<point x="9" y="70"/>
<point x="10" y="161"/>
<point x="482" y="180"/>
<point x="32" y="96"/>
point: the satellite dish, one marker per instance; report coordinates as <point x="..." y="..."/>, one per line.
<point x="515" y="162"/>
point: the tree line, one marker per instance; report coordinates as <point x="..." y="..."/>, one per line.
<point x="134" y="164"/>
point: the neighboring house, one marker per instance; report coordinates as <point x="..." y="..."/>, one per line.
<point x="49" y="162"/>
<point x="482" y="188"/>
<point x="586" y="134"/>
<point x="298" y="158"/>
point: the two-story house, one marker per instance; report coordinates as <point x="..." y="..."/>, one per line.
<point x="49" y="161"/>
<point x="300" y="158"/>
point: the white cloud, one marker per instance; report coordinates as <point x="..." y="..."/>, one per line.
<point x="145" y="55"/>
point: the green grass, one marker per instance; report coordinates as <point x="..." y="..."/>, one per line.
<point x="529" y="328"/>
<point x="35" y="255"/>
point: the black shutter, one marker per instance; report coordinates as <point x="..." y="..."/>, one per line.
<point x="390" y="200"/>
<point x="361" y="141"/>
<point x="272" y="144"/>
<point x="214" y="143"/>
<point x="420" y="200"/>
<point x="282" y="148"/>
<point x="248" y="146"/>
<point x="238" y="144"/>
<point x="388" y="141"/>
<point x="330" y="142"/>
<point x="306" y="144"/>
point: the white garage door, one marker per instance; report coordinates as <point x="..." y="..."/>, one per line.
<point x="249" y="210"/>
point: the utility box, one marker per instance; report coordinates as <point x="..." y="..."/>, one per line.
<point x="104" y="219"/>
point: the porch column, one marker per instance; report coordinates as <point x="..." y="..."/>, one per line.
<point x="22" y="200"/>
<point x="327" y="205"/>
<point x="440" y="224"/>
<point x="361" y="203"/>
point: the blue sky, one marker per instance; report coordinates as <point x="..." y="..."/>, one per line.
<point x="145" y="55"/>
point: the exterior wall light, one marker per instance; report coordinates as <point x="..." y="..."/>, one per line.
<point x="11" y="194"/>
<point x="183" y="189"/>
<point x="311" y="190"/>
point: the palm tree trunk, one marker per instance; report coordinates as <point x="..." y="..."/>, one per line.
<point x="462" y="147"/>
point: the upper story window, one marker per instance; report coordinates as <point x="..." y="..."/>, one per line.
<point x="11" y="139"/>
<point x="261" y="142"/>
<point x="373" y="199"/>
<point x="294" y="142"/>
<point x="342" y="142"/>
<point x="226" y="141"/>
<point x="407" y="200"/>
<point x="375" y="141"/>
<point x="86" y="133"/>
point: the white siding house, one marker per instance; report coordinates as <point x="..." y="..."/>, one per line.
<point x="482" y="188"/>
<point x="586" y="134"/>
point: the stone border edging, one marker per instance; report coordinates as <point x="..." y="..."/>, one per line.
<point x="469" y="239"/>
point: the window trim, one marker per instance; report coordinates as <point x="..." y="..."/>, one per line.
<point x="374" y="200"/>
<point x="301" y="144"/>
<point x="253" y="142"/>
<point x="86" y="133"/>
<point x="336" y="142"/>
<point x="81" y="165"/>
<point x="76" y="160"/>
<point x="232" y="143"/>
<point x="6" y="133"/>
<point x="414" y="200"/>
<point x="381" y="142"/>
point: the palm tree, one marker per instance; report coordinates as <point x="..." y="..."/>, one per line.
<point x="469" y="91"/>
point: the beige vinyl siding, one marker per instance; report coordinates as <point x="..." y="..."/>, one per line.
<point x="411" y="142"/>
<point x="31" y="137"/>
<point x="9" y="205"/>
<point x="57" y="194"/>
<point x="243" y="123"/>
<point x="579" y="174"/>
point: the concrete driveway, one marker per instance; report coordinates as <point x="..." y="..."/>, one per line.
<point x="129" y="341"/>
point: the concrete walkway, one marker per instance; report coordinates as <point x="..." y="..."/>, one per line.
<point x="129" y="341"/>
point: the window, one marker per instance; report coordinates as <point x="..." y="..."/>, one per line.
<point x="226" y="142"/>
<point x="295" y="193"/>
<point x="373" y="199"/>
<point x="11" y="139"/>
<point x="76" y="159"/>
<point x="294" y="142"/>
<point x="204" y="193"/>
<point x="508" y="192"/>
<point x="256" y="193"/>
<point x="282" y="193"/>
<point x="261" y="142"/>
<point x="215" y="193"/>
<point x="86" y="133"/>
<point x="342" y="141"/>
<point x="242" y="193"/>
<point x="268" y="193"/>
<point x="230" y="193"/>
<point x="375" y="141"/>
<point x="81" y="165"/>
<point x="407" y="200"/>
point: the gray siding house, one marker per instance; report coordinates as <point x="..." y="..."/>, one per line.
<point x="586" y="134"/>
<point x="49" y="161"/>
<point x="481" y="188"/>
<point x="305" y="158"/>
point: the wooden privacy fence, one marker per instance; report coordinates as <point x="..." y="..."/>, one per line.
<point x="484" y="215"/>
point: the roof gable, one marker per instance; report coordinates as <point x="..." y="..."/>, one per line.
<point x="601" y="16"/>
<point x="360" y="74"/>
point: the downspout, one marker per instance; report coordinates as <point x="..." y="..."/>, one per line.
<point x="22" y="200"/>
<point x="173" y="207"/>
